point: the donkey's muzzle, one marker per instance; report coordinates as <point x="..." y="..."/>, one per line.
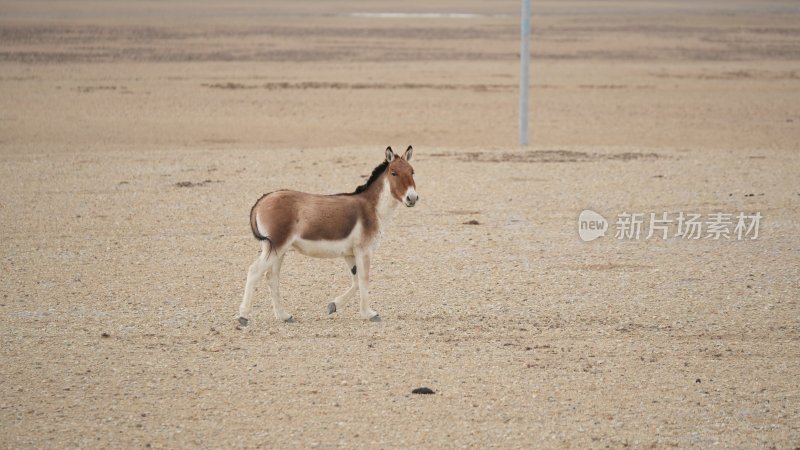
<point x="411" y="199"/>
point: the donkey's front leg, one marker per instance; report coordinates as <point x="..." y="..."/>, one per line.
<point x="275" y="290"/>
<point x="340" y="300"/>
<point x="362" y="272"/>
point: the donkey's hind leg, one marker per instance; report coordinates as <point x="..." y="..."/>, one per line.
<point x="275" y="290"/>
<point x="340" y="300"/>
<point x="254" y="273"/>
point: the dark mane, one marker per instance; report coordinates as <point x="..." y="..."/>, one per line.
<point x="376" y="172"/>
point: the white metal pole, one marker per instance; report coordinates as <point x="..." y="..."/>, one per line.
<point x="524" y="66"/>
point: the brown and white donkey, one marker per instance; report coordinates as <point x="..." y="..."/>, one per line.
<point x="329" y="226"/>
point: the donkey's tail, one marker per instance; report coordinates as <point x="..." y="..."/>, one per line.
<point x="254" y="221"/>
<point x="256" y="232"/>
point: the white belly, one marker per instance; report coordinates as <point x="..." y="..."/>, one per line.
<point x="324" y="249"/>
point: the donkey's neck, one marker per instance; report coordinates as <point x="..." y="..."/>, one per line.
<point x="385" y="204"/>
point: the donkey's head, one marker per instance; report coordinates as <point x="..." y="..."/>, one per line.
<point x="401" y="177"/>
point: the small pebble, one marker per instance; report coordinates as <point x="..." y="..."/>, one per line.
<point x="422" y="390"/>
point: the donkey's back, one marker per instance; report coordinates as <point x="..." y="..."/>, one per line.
<point x="283" y="215"/>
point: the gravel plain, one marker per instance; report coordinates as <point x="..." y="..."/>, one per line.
<point x="134" y="138"/>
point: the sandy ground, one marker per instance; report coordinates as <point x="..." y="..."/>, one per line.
<point x="134" y="137"/>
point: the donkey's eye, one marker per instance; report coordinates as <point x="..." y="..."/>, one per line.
<point x="394" y="174"/>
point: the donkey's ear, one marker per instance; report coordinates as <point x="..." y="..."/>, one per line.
<point x="389" y="154"/>
<point x="408" y="153"/>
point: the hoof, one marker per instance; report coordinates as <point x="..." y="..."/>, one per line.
<point x="375" y="318"/>
<point x="290" y="320"/>
<point x="331" y="308"/>
<point x="243" y="321"/>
